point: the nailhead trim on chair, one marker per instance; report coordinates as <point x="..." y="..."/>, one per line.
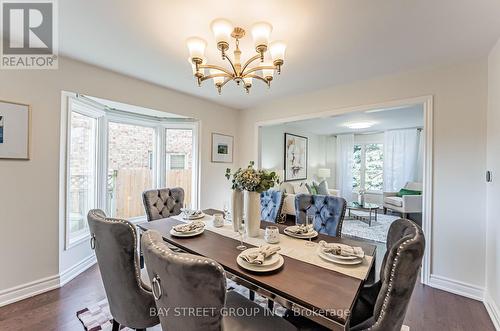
<point x="181" y="257"/>
<point x="391" y="279"/>
<point x="134" y="233"/>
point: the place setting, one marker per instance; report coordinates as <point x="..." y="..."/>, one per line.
<point x="188" y="229"/>
<point x="261" y="259"/>
<point x="303" y="231"/>
<point x="189" y="214"/>
<point x="340" y="253"/>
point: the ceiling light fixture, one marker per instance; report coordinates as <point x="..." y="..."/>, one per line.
<point x="241" y="73"/>
<point x="359" y="125"/>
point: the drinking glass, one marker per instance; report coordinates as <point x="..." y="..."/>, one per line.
<point x="241" y="231"/>
<point x="309" y="221"/>
<point x="225" y="208"/>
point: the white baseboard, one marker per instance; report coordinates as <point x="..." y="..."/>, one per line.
<point x="492" y="310"/>
<point x="70" y="273"/>
<point x="27" y="290"/>
<point x="456" y="287"/>
<point x="42" y="285"/>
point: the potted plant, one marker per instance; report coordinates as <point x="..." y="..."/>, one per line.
<point x="253" y="182"/>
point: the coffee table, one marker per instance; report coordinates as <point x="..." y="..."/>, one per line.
<point x="371" y="208"/>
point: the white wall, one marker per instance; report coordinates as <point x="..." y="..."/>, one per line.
<point x="29" y="249"/>
<point x="493" y="191"/>
<point x="272" y="152"/>
<point x="460" y="97"/>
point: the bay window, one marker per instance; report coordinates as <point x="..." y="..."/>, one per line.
<point x="368" y="166"/>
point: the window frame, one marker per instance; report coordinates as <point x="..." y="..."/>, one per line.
<point x="362" y="170"/>
<point x="87" y="107"/>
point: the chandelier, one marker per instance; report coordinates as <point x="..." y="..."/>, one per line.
<point x="238" y="72"/>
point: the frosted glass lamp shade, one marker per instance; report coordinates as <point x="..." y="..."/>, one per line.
<point x="324" y="173"/>
<point x="261" y="31"/>
<point x="196" y="47"/>
<point x="222" y="29"/>
<point x="247" y="80"/>
<point x="267" y="72"/>
<point x="277" y="49"/>
<point x="217" y="80"/>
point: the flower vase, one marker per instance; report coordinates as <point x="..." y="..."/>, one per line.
<point x="237" y="208"/>
<point x="252" y="220"/>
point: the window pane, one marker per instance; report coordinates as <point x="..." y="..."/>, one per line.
<point x="180" y="143"/>
<point x="356" y="171"/>
<point x="82" y="172"/>
<point x="374" y="167"/>
<point x="130" y="152"/>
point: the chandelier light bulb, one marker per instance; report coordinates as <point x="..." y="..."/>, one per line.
<point x="277" y="49"/>
<point x="222" y="29"/>
<point x="196" y="47"/>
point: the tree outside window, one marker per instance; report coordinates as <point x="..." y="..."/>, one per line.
<point x="368" y="167"/>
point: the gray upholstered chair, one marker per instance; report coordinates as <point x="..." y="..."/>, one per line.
<point x="328" y="212"/>
<point x="383" y="305"/>
<point x="271" y="202"/>
<point x="181" y="280"/>
<point x="129" y="297"/>
<point x="163" y="203"/>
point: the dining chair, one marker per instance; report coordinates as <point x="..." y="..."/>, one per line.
<point x="383" y="305"/>
<point x="328" y="212"/>
<point x="190" y="293"/>
<point x="129" y="296"/>
<point x="271" y="202"/>
<point x="163" y="203"/>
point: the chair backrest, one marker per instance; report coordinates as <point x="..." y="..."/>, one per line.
<point x="328" y="212"/>
<point x="398" y="275"/>
<point x="184" y="281"/>
<point x="415" y="186"/>
<point x="163" y="203"/>
<point x="271" y="202"/>
<point x="115" y="243"/>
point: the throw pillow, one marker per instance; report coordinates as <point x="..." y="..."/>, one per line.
<point x="404" y="191"/>
<point x="322" y="187"/>
<point x="302" y="189"/>
<point x="311" y="189"/>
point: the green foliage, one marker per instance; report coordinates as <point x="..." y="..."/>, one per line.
<point x="250" y="179"/>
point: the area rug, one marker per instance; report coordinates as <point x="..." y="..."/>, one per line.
<point x="97" y="317"/>
<point x="359" y="229"/>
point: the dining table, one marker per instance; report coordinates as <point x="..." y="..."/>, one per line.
<point x="311" y="287"/>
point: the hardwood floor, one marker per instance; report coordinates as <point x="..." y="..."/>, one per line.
<point x="429" y="309"/>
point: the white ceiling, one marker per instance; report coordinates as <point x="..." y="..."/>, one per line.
<point x="383" y="119"/>
<point x="329" y="41"/>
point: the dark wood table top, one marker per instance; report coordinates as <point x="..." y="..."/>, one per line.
<point x="321" y="290"/>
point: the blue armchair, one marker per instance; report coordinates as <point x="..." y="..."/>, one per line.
<point x="271" y="202"/>
<point x="328" y="212"/>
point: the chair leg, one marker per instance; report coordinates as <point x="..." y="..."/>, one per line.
<point x="385" y="211"/>
<point x="116" y="326"/>
<point x="270" y="304"/>
<point x="251" y="295"/>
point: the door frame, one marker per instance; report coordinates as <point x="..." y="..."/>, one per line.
<point x="427" y="101"/>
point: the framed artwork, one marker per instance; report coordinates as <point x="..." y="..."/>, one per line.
<point x="14" y="130"/>
<point x="222" y="148"/>
<point x="295" y="157"/>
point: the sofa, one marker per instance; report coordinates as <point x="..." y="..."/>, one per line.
<point x="291" y="189"/>
<point x="404" y="204"/>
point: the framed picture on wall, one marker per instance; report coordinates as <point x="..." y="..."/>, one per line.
<point x="14" y="130"/>
<point x="295" y="157"/>
<point x="222" y="148"/>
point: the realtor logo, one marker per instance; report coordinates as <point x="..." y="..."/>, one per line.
<point x="29" y="34"/>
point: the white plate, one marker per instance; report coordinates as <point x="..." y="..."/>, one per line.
<point x="257" y="268"/>
<point x="312" y="234"/>
<point x="191" y="218"/>
<point x="267" y="262"/>
<point x="186" y="234"/>
<point x="331" y="258"/>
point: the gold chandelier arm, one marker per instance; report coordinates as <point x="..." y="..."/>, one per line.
<point x="257" y="69"/>
<point x="211" y="66"/>
<point x="228" y="77"/>
<point x="255" y="57"/>
<point x="232" y="65"/>
<point x="258" y="77"/>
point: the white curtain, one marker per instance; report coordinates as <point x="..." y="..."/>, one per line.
<point x="345" y="161"/>
<point x="400" y="158"/>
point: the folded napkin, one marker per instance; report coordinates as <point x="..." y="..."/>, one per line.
<point x="191" y="212"/>
<point x="341" y="250"/>
<point x="181" y="228"/>
<point x="300" y="229"/>
<point x="259" y="256"/>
